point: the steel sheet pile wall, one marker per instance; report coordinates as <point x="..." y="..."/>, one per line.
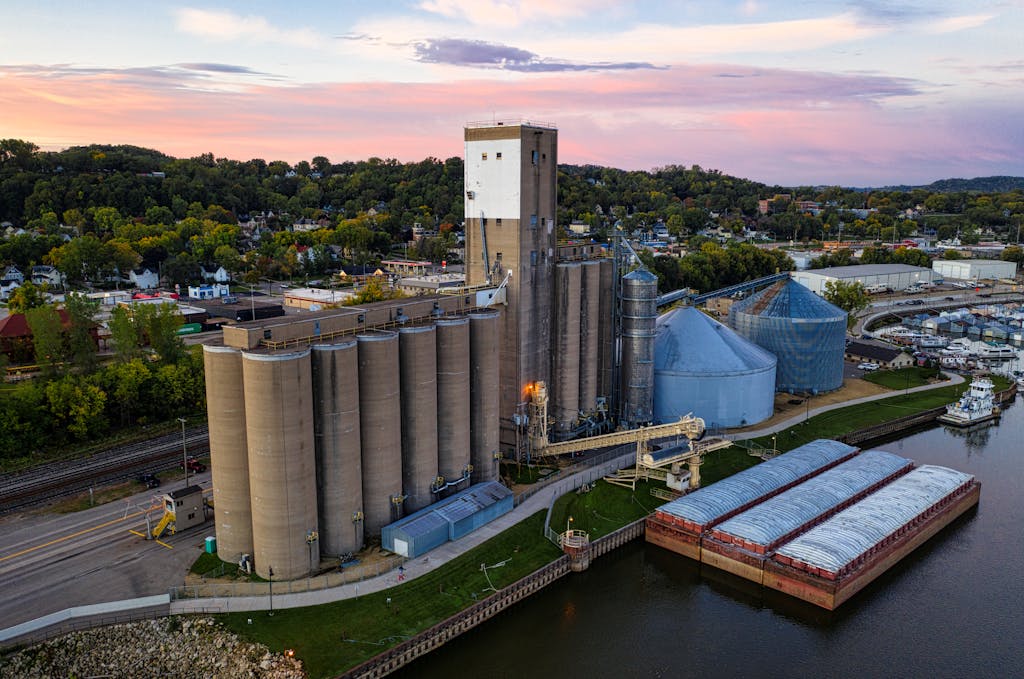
<point x="835" y="547"/>
<point x="380" y="425"/>
<point x="703" y="367"/>
<point x="565" y="359"/>
<point x="229" y="451"/>
<point x="639" y="315"/>
<point x="590" y="335"/>
<point x="805" y="332"/>
<point x="606" y="347"/>
<point x="418" y="358"/>
<point x="282" y="461"/>
<point x="338" y="452"/>
<point x="709" y="506"/>
<point x="484" y="341"/>
<point x="762" y="527"/>
<point x="453" y="351"/>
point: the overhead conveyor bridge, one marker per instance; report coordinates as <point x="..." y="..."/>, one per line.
<point x="686" y="293"/>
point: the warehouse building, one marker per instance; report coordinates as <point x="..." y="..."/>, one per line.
<point x="974" y="269"/>
<point x="893" y="276"/>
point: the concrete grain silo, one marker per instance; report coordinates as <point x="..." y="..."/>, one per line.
<point x="703" y="367"/>
<point x="484" y="343"/>
<point x="380" y="428"/>
<point x="229" y="453"/>
<point x="565" y="358"/>
<point x="590" y="335"/>
<point x="282" y="461"/>
<point x="453" y="353"/>
<point x="418" y="368"/>
<point x="606" y="330"/>
<point x="639" y="315"/>
<point x="338" y="452"/>
<point x="805" y="332"/>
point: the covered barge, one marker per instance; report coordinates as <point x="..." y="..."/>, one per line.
<point x="679" y="525"/>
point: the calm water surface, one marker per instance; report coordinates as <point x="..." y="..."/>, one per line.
<point x="954" y="608"/>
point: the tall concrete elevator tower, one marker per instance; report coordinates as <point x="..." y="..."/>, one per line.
<point x="511" y="173"/>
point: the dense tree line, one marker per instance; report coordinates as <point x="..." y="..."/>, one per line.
<point x="710" y="266"/>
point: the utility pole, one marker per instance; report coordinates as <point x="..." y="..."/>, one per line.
<point x="184" y="450"/>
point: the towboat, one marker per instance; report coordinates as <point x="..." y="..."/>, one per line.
<point x="976" y="405"/>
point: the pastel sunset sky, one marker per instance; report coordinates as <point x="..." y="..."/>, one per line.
<point x="858" y="92"/>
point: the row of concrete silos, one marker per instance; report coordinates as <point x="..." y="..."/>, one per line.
<point x="583" y="342"/>
<point x="314" y="450"/>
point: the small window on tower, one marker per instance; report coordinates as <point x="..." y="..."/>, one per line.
<point x="533" y="157"/>
<point x="533" y="221"/>
<point x="533" y="258"/>
<point x="497" y="156"/>
<point x="483" y="156"/>
<point x="497" y="221"/>
<point x="543" y="156"/>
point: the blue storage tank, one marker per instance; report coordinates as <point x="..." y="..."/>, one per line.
<point x="806" y="333"/>
<point x="703" y="367"/>
<point x="447" y="519"/>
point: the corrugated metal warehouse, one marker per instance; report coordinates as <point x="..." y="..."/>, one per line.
<point x="974" y="269"/>
<point x="805" y="333"/>
<point x="895" y="276"/>
<point x="449" y="519"/>
<point x="703" y="367"/>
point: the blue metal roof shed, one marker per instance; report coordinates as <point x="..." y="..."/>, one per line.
<point x="447" y="519"/>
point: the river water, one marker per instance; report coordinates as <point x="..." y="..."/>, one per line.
<point x="954" y="608"/>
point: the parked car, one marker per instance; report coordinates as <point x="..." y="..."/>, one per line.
<point x="868" y="366"/>
<point x="194" y="465"/>
<point x="149" y="481"/>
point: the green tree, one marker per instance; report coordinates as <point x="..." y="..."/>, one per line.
<point x="125" y="334"/>
<point x="77" y="406"/>
<point x="47" y="336"/>
<point x="848" y="296"/>
<point x="24" y="297"/>
<point x="125" y="384"/>
<point x="160" y="323"/>
<point x="81" y="346"/>
<point x="1013" y="253"/>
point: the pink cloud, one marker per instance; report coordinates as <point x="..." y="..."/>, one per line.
<point x="775" y="126"/>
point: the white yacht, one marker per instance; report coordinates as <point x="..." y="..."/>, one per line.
<point x="976" y="405"/>
<point x="932" y="342"/>
<point x="994" y="350"/>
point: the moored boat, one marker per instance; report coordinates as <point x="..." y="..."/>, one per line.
<point x="976" y="405"/>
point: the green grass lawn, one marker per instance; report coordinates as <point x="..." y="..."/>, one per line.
<point x="905" y="378"/>
<point x="604" y="509"/>
<point x="333" y="637"/>
<point x="525" y="473"/>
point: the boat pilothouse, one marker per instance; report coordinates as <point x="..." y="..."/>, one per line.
<point x="994" y="350"/>
<point x="976" y="405"/>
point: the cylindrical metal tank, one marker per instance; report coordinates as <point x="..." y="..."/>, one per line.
<point x="452" y="397"/>
<point x="805" y="332"/>
<point x="639" y="315"/>
<point x="229" y="453"/>
<point x="339" y="468"/>
<point x="565" y="359"/>
<point x="282" y="462"/>
<point x="606" y="330"/>
<point x="418" y="364"/>
<point x="590" y="337"/>
<point x="703" y="367"/>
<point x="380" y="428"/>
<point x="484" y="350"/>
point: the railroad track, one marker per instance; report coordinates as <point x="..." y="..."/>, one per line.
<point x="59" y="479"/>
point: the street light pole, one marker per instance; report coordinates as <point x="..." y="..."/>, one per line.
<point x="270" y="573"/>
<point x="184" y="450"/>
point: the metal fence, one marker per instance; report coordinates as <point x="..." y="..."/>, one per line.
<point x="204" y="590"/>
<point x="589" y="463"/>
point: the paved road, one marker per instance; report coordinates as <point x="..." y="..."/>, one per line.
<point x="49" y="562"/>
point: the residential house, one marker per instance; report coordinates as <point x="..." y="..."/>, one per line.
<point x="218" y="275"/>
<point x="12" y="275"/>
<point x="47" y="275"/>
<point x="6" y="288"/>
<point x="144" y="279"/>
<point x="885" y="357"/>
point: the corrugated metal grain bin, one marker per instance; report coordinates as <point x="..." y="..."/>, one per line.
<point x="449" y="519"/>
<point x="806" y="333"/>
<point x="703" y="367"/>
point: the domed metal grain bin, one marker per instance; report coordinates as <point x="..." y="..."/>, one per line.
<point x="338" y="455"/>
<point x="639" y="314"/>
<point x="703" y="367"/>
<point x="229" y="454"/>
<point x="282" y="461"/>
<point x="806" y="333"/>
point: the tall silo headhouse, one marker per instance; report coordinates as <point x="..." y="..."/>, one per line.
<point x="703" y="367"/>
<point x="805" y="332"/>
